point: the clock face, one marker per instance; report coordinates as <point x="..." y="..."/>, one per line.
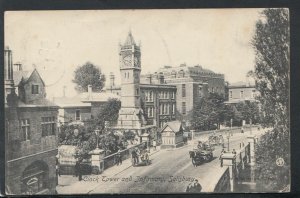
<point x="127" y="61"/>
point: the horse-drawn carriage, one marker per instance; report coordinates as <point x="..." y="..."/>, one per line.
<point x="216" y="140"/>
<point x="201" y="154"/>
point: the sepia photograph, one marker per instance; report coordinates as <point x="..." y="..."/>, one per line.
<point x="147" y="101"/>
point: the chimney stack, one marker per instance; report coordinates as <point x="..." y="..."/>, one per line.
<point x="149" y="78"/>
<point x="90" y="91"/>
<point x="18" y="66"/>
<point x="112" y="79"/>
<point x="10" y="94"/>
<point x="161" y="78"/>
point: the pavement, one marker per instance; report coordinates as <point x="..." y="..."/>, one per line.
<point x="69" y="184"/>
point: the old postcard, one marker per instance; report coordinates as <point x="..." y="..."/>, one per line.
<point x="147" y="101"/>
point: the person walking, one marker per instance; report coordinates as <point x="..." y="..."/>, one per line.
<point x="133" y="156"/>
<point x="119" y="154"/>
<point x="154" y="144"/>
<point x="233" y="151"/>
<point x="197" y="187"/>
<point x="189" y="188"/>
<point x="76" y="168"/>
<point x="138" y="153"/>
<point x="220" y="158"/>
<point x="80" y="169"/>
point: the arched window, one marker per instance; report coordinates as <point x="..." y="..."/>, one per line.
<point x="35" y="178"/>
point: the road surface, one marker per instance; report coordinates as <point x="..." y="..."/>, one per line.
<point x="170" y="172"/>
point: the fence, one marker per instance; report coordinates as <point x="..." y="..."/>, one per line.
<point x="109" y="160"/>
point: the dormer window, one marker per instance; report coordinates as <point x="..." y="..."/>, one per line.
<point x="34" y="89"/>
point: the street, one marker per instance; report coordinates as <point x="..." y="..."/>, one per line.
<point x="170" y="172"/>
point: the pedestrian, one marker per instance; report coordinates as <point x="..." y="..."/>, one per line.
<point x="189" y="188"/>
<point x="119" y="157"/>
<point x="233" y="151"/>
<point x="154" y="144"/>
<point x="146" y="157"/>
<point x="220" y="158"/>
<point x="57" y="170"/>
<point x="80" y="168"/>
<point x="138" y="153"/>
<point x="133" y="155"/>
<point x="197" y="187"/>
<point x="76" y="168"/>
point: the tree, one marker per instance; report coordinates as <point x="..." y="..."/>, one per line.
<point x="271" y="43"/>
<point x="207" y="112"/>
<point x="88" y="74"/>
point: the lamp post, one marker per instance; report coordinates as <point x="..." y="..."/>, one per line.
<point x="250" y="126"/>
<point x="228" y="137"/>
<point x="97" y="131"/>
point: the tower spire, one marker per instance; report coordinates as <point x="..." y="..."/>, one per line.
<point x="129" y="39"/>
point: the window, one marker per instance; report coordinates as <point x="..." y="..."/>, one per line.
<point x="34" y="89"/>
<point x="160" y="109"/>
<point x="25" y="129"/>
<point x="173" y="95"/>
<point x="174" y="109"/>
<point x="212" y="90"/>
<point x="150" y="112"/>
<point x="230" y="94"/>
<point x="183" y="108"/>
<point x="183" y="90"/>
<point x="77" y="115"/>
<point x="242" y="94"/>
<point x="253" y="93"/>
<point x="48" y="126"/>
<point x="200" y="90"/>
<point x="166" y="109"/>
<point x="137" y="92"/>
<point x="151" y="96"/>
<point x="146" y="96"/>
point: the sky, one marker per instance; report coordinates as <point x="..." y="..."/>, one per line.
<point x="56" y="42"/>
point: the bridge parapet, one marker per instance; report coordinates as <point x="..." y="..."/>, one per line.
<point x="232" y="164"/>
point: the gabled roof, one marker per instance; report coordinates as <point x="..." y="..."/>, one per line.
<point x="129" y="39"/>
<point x="25" y="77"/>
<point x="174" y="125"/>
<point x="18" y="75"/>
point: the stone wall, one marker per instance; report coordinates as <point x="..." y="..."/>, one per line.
<point x="223" y="184"/>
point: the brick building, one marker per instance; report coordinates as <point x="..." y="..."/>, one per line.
<point x="240" y="92"/>
<point x="30" y="133"/>
<point x="191" y="83"/>
<point x="82" y="107"/>
<point x="158" y="100"/>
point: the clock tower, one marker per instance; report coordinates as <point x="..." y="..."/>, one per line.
<point x="131" y="115"/>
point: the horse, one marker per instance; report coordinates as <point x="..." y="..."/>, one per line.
<point x="196" y="159"/>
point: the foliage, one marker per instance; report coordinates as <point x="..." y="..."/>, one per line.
<point x="206" y="113"/>
<point x="129" y="135"/>
<point x="271" y="43"/>
<point x="109" y="112"/>
<point x="86" y="139"/>
<point x="249" y="111"/>
<point x="88" y="74"/>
